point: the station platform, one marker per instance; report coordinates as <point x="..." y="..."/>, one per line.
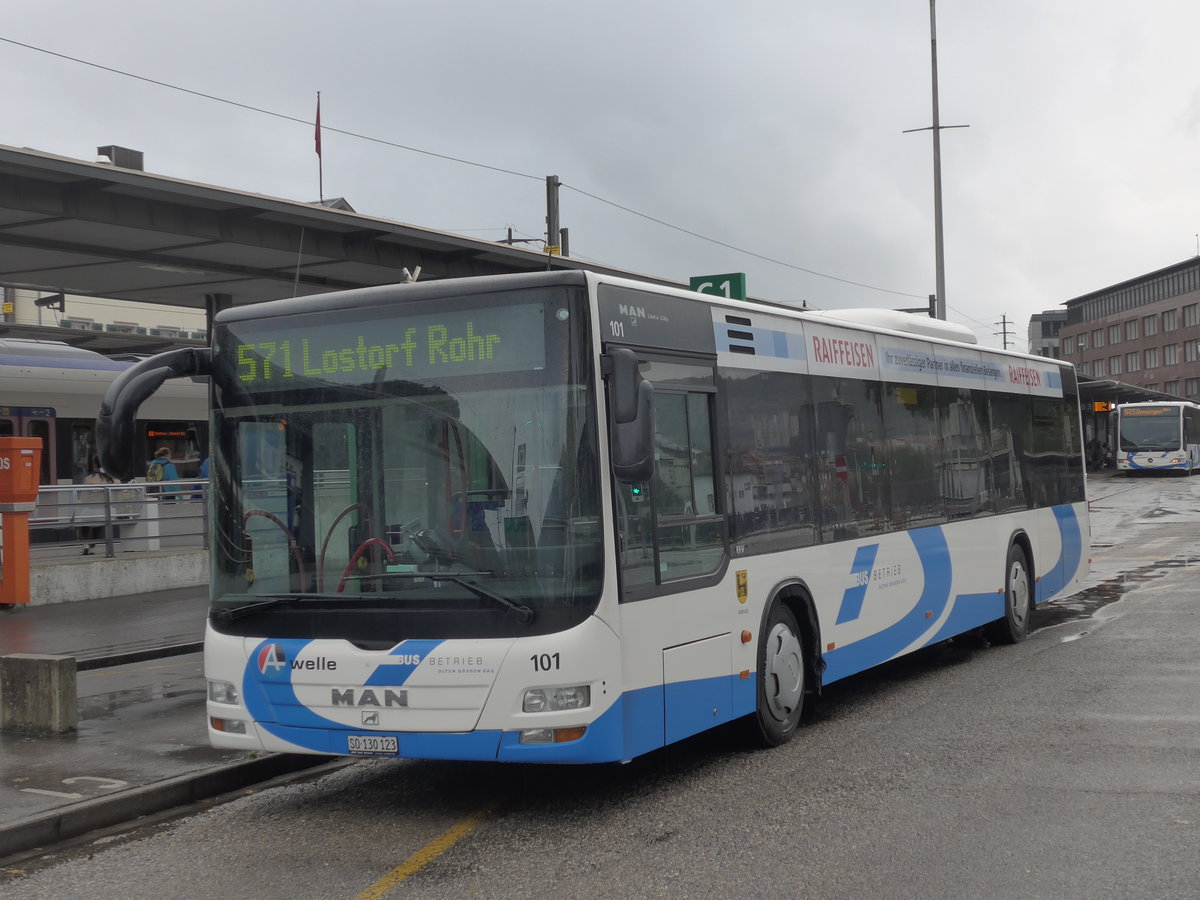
<point x="141" y="746"/>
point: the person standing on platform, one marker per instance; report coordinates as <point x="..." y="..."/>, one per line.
<point x="162" y="469"/>
<point x="91" y="534"/>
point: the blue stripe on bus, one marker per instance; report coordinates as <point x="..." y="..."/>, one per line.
<point x="393" y="674"/>
<point x="764" y="341"/>
<point x="635" y="724"/>
<point x="853" y="597"/>
<point x="934" y="555"/>
<point x="970" y="611"/>
<point x="471" y="745"/>
<point x="271" y="696"/>
<point x="265" y="693"/>
<point x="1060" y="574"/>
<point x="781" y="344"/>
<point x="1134" y="464"/>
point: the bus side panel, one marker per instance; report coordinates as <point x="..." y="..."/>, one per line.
<point x="1062" y="562"/>
<point x="877" y="599"/>
<point x="948" y="592"/>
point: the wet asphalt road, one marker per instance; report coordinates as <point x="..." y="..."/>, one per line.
<point x="1065" y="767"/>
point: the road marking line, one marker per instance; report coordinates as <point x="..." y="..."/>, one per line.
<point x="426" y="854"/>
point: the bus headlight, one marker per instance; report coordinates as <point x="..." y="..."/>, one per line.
<point x="552" y="735"/>
<point x="222" y="692"/>
<point x="538" y="700"/>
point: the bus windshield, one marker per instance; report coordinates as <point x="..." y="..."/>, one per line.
<point x="1150" y="428"/>
<point x="433" y="466"/>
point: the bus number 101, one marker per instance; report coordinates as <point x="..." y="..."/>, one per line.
<point x="544" y="662"/>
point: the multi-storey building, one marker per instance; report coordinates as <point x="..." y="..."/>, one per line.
<point x="1043" y="332"/>
<point x="1143" y="332"/>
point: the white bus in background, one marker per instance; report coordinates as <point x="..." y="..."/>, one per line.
<point x="561" y="517"/>
<point x="1158" y="437"/>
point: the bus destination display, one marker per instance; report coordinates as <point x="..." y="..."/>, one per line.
<point x="1150" y="411"/>
<point x="496" y="339"/>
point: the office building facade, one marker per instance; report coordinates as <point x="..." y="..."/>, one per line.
<point x="1143" y="332"/>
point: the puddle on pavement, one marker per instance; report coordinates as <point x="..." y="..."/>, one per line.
<point x="1084" y="604"/>
<point x="98" y="706"/>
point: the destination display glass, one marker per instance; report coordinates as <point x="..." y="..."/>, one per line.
<point x="365" y="347"/>
<point x="1144" y="429"/>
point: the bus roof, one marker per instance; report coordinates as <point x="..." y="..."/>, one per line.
<point x="868" y="319"/>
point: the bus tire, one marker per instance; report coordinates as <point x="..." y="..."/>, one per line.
<point x="1013" y="626"/>
<point x="780" y="687"/>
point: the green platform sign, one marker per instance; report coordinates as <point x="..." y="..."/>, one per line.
<point x="732" y="286"/>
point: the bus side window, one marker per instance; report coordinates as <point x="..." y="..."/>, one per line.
<point x="689" y="534"/>
<point x="670" y="527"/>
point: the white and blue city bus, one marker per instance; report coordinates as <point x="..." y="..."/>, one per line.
<point x="561" y="517"/>
<point x="1163" y="436"/>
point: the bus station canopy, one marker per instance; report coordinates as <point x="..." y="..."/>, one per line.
<point x="95" y="229"/>
<point x="1106" y="390"/>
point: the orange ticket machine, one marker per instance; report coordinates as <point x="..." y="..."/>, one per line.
<point x="20" y="463"/>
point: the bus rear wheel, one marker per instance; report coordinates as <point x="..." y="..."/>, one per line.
<point x="780" y="688"/>
<point x="1013" y="626"/>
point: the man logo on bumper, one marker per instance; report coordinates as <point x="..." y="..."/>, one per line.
<point x="368" y="697"/>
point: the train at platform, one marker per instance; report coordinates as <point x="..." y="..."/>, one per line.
<point x="52" y="390"/>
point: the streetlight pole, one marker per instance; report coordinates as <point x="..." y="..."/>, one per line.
<point x="936" y="128"/>
<point x="939" y="252"/>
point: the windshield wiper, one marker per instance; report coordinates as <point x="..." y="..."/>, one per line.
<point x="267" y="602"/>
<point x="523" y="613"/>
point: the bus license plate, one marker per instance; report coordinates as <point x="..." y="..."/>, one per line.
<point x="372" y="745"/>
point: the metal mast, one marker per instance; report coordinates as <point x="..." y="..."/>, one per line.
<point x="936" y="128"/>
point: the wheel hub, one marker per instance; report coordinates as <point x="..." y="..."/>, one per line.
<point x="784" y="686"/>
<point x="1018" y="586"/>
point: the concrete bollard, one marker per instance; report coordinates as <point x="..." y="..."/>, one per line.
<point x="38" y="694"/>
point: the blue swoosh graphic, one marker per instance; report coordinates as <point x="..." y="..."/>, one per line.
<point x="1052" y="583"/>
<point x="934" y="554"/>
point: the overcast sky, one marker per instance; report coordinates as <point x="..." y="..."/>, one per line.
<point x="772" y="127"/>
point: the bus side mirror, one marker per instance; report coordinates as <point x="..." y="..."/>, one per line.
<point x="631" y="418"/>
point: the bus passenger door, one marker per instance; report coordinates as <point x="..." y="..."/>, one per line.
<point x="673" y="548"/>
<point x="671" y="528"/>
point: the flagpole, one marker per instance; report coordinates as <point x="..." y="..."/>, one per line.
<point x="320" y="160"/>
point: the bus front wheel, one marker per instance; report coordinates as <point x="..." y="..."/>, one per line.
<point x="780" y="688"/>
<point x="1013" y="626"/>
